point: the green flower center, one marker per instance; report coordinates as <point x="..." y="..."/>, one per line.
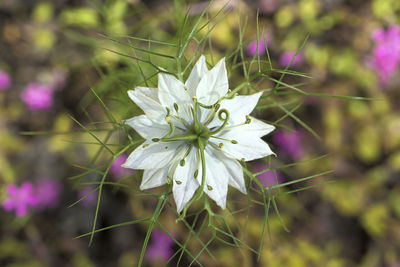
<point x="202" y="133"/>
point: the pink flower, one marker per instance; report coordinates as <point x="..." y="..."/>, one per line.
<point x="287" y="56"/>
<point x="268" y="178"/>
<point x="89" y="200"/>
<point x="252" y="47"/>
<point x="160" y="247"/>
<point x="385" y="57"/>
<point x="38" y="97"/>
<point x="20" y="198"/>
<point x="5" y="80"/>
<point x="116" y="170"/>
<point x="289" y="143"/>
<point x="48" y="193"/>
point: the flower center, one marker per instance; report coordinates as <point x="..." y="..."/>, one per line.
<point x="202" y="133"/>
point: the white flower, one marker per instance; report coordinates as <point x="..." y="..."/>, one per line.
<point x="196" y="134"/>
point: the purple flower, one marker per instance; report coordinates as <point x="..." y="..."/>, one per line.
<point x="252" y="47"/>
<point x="386" y="54"/>
<point x="48" y="193"/>
<point x="5" y="80"/>
<point x="116" y="170"/>
<point x="267" y="6"/>
<point x="289" y="143"/>
<point x="89" y="200"/>
<point x="268" y="178"/>
<point x="37" y="96"/>
<point x="287" y="56"/>
<point x="160" y="247"/>
<point x="20" y="198"/>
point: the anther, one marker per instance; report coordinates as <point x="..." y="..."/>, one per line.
<point x="176" y="107"/>
<point x="209" y="187"/>
<point x="146" y="145"/>
<point x="234" y="142"/>
<point x="182" y="162"/>
<point x="196" y="173"/>
<point x="221" y="145"/>
<point x="155" y="139"/>
<point x="178" y="182"/>
<point x="185" y="87"/>
<point x="194" y="98"/>
<point x="243" y="160"/>
<point x="168" y="119"/>
<point x="248" y="119"/>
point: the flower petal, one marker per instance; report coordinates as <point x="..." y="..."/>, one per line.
<point x="249" y="144"/>
<point x="146" y="99"/>
<point x="184" y="175"/>
<point x="153" y="178"/>
<point x="235" y="170"/>
<point x="147" y="128"/>
<point x="213" y="85"/>
<point x="239" y="107"/>
<point x="171" y="92"/>
<point x="198" y="71"/>
<point x="256" y="127"/>
<point x="217" y="178"/>
<point x="153" y="155"/>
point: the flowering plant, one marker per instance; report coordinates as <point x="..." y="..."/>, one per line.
<point x="187" y="143"/>
<point x="199" y="136"/>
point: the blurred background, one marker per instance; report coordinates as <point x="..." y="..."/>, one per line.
<point x="53" y="52"/>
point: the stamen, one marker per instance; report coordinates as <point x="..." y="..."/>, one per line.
<point x="227" y="140"/>
<point x="221" y="145"/>
<point x="185" y="87"/>
<point x="183" y="161"/>
<point x="209" y="187"/>
<point x="178" y="182"/>
<point x="168" y="180"/>
<point x="248" y="119"/>
<point x="171" y="125"/>
<point x="196" y="173"/>
<point x="146" y="145"/>
<point x="176" y="138"/>
<point x="212" y="114"/>
<point x="176" y="107"/>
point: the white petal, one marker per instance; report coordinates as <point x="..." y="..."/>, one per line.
<point x="198" y="71"/>
<point x="172" y="91"/>
<point x="145" y="98"/>
<point x="239" y="107"/>
<point x="235" y="170"/>
<point x="213" y="85"/>
<point x="256" y="127"/>
<point x="217" y="177"/>
<point x="147" y="128"/>
<point x="153" y="155"/>
<point x="184" y="175"/>
<point x="249" y="145"/>
<point x="154" y="178"/>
